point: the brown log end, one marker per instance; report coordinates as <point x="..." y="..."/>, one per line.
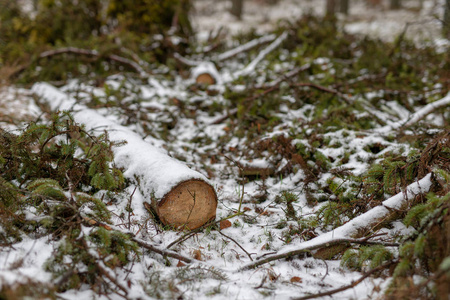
<point x="205" y="78"/>
<point x="188" y="205"/>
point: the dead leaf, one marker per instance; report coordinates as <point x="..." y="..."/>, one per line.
<point x="272" y="276"/>
<point x="148" y="207"/>
<point x="180" y="264"/>
<point x="225" y="224"/>
<point x="197" y="254"/>
<point x="296" y="279"/>
<point x="247" y="208"/>
<point x="107" y="227"/>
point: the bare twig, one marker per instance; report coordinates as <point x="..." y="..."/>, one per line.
<point x="165" y="253"/>
<point x="349" y="286"/>
<point x="234" y="241"/>
<point x="262" y="283"/>
<point x="323" y="89"/>
<point x="326" y="273"/>
<point x="129" y="207"/>
<point x="114" y="280"/>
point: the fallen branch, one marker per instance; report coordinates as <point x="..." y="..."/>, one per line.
<point x="106" y="273"/>
<point x="349" y="286"/>
<point x="162" y="252"/>
<point x="245" y="47"/>
<point x="186" y="61"/>
<point x="252" y="65"/>
<point x="355" y="226"/>
<point x="316" y="246"/>
<point x="286" y="76"/>
<point x="418" y="115"/>
<point x="270" y="87"/>
<point x="86" y="52"/>
<point x="323" y="89"/>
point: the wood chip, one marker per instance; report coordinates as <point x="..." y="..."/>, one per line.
<point x="225" y="224"/>
<point x="197" y="254"/>
<point x="180" y="264"/>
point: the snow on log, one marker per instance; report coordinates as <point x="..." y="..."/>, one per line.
<point x="181" y="197"/>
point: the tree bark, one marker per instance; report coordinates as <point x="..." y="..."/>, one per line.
<point x="182" y="198"/>
<point x="344" y="6"/>
<point x="446" y="24"/>
<point x="330" y="7"/>
<point x="396" y="4"/>
<point x="236" y="8"/>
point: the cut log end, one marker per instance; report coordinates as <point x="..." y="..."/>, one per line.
<point x="189" y="205"/>
<point x="205" y="78"/>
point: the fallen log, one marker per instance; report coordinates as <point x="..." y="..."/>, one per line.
<point x="180" y="197"/>
<point x="348" y="231"/>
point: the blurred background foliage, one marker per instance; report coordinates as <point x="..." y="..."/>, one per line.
<point x="143" y="26"/>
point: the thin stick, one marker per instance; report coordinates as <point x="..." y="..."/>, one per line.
<point x="248" y="254"/>
<point x="114" y="280"/>
<point x="323" y="89"/>
<point x="162" y="251"/>
<point x="129" y="207"/>
<point x="349" y="286"/>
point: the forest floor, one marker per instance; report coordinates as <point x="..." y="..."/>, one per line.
<point x="303" y="136"/>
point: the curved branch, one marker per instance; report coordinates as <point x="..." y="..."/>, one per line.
<point x="308" y="249"/>
<point x="355" y="226"/>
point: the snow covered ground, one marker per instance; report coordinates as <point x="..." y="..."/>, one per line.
<point x="222" y="269"/>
